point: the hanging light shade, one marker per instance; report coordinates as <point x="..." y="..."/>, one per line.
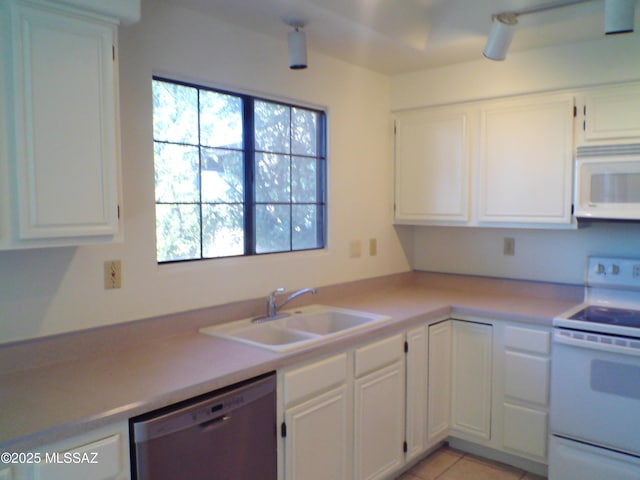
<point x="500" y="36"/>
<point x="297" y="49"/>
<point x="619" y="16"/>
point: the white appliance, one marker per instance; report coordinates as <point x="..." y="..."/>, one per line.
<point x="595" y="378"/>
<point x="607" y="182"/>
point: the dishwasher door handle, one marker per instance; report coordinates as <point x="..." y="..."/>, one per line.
<point x="214" y="423"/>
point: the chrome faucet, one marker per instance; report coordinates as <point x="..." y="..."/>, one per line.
<point x="273" y="307"/>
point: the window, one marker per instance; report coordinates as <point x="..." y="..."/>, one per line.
<point x="234" y="174"/>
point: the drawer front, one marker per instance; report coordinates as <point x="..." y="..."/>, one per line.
<point x="525" y="430"/>
<point x="528" y="340"/>
<point x="379" y="354"/>
<point x="97" y="460"/>
<point x="317" y="377"/>
<point x="527" y="377"/>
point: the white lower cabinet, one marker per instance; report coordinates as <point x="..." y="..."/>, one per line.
<point x="366" y="413"/>
<point x="316" y="420"/>
<point x="525" y="368"/>
<point x="439" y="382"/>
<point x="319" y="430"/>
<point x="343" y="417"/>
<point x="471" y="373"/>
<point x="488" y="386"/>
<point x="416" y="391"/>
<point x="101" y="454"/>
<point x="379" y="409"/>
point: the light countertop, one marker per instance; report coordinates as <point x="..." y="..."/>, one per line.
<point x="54" y="400"/>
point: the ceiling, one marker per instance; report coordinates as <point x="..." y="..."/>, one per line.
<point x="398" y="36"/>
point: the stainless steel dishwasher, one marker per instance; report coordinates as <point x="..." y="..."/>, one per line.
<point x="229" y="434"/>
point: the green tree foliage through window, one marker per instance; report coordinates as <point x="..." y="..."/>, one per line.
<point x="234" y="174"/>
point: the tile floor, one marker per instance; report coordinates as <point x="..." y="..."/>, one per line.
<point x="450" y="464"/>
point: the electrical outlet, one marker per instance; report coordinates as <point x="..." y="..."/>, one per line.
<point x="112" y="274"/>
<point x="509" y="246"/>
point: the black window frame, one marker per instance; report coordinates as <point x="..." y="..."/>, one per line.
<point x="249" y="154"/>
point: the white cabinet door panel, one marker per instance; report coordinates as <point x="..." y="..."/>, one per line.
<point x="62" y="162"/>
<point x="471" y="379"/>
<point x="432" y="166"/>
<point x="317" y="438"/>
<point x="416" y="419"/>
<point x="379" y="422"/>
<point x="439" y="383"/>
<point x="526" y="160"/>
<point x="612" y="113"/>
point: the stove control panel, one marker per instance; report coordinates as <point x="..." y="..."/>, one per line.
<point x="613" y="272"/>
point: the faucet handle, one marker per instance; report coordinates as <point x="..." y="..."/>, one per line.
<point x="277" y="290"/>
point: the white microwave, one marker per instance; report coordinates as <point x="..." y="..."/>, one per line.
<point x="607" y="182"/>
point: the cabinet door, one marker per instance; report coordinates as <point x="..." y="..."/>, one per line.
<point x="317" y="440"/>
<point x="379" y="422"/>
<point x="439" y="382"/>
<point x="471" y="379"/>
<point x="612" y="113"/>
<point x="432" y="159"/>
<point x="64" y="112"/>
<point x="526" y="161"/>
<point x="416" y="417"/>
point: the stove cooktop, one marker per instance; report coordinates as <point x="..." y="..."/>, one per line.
<point x="608" y="315"/>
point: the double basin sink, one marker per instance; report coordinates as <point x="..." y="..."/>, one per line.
<point x="297" y="328"/>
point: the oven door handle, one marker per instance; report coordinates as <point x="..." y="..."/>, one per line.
<point x="596" y="341"/>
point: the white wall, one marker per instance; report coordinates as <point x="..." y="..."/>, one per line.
<point x="556" y="256"/>
<point x="56" y="290"/>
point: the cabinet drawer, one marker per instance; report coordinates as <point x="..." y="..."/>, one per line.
<point x="97" y="460"/>
<point x="528" y="339"/>
<point x="378" y="354"/>
<point x="527" y="377"/>
<point x="525" y="430"/>
<point x="325" y="374"/>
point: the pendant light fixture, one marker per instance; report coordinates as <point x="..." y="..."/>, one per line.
<point x="619" y="16"/>
<point x="297" y="43"/>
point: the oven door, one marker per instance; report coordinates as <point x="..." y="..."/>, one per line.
<point x="608" y="187"/>
<point x="595" y="389"/>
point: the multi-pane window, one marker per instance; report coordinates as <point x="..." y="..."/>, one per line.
<point x="235" y="174"/>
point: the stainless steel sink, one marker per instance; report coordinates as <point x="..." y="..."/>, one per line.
<point x="298" y="328"/>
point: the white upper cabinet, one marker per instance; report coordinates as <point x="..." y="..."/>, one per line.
<point x="60" y="158"/>
<point x="432" y="160"/>
<point x="526" y="160"/>
<point x="500" y="163"/>
<point x="610" y="114"/>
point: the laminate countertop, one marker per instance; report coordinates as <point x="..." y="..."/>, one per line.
<point x="101" y="379"/>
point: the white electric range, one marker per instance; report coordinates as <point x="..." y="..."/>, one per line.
<point x="595" y="378"/>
